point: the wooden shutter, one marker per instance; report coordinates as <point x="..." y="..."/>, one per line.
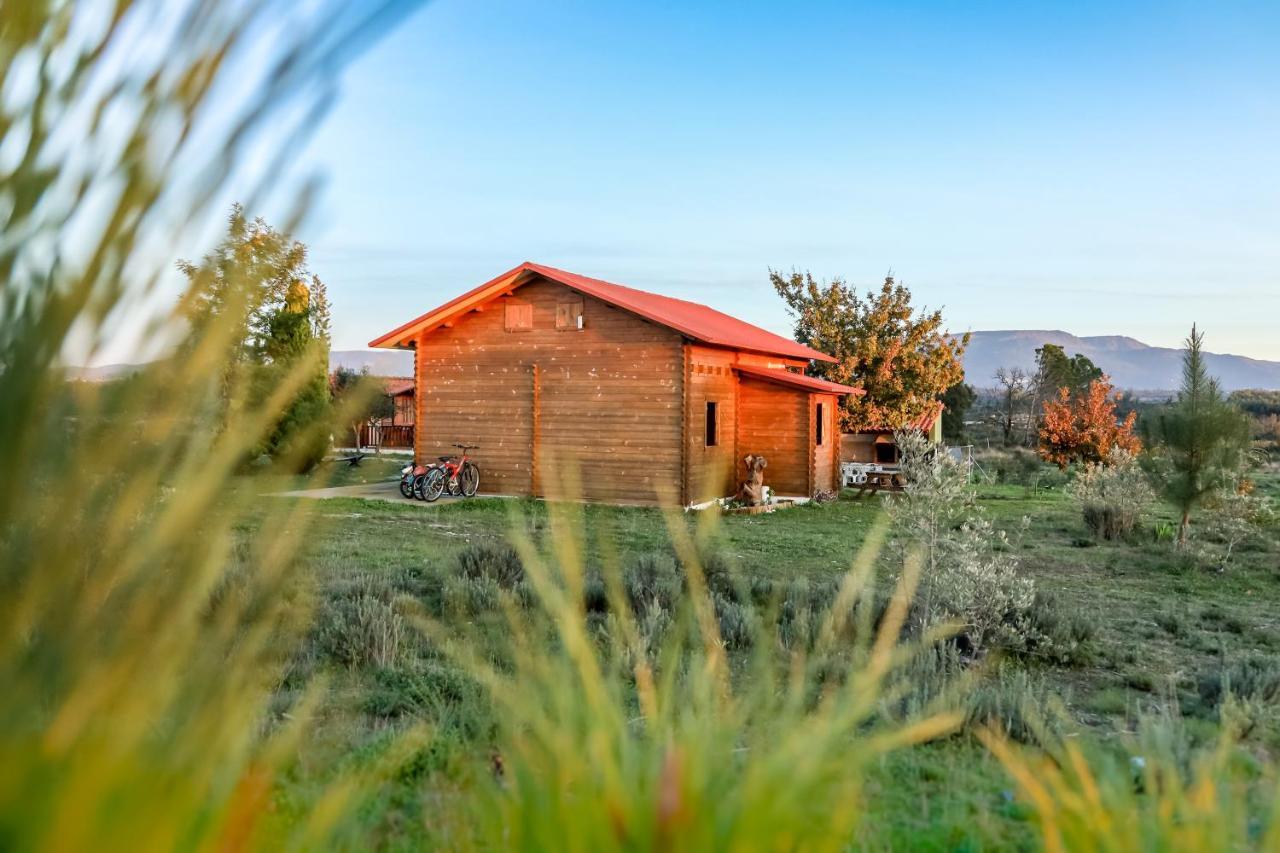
<point x="568" y="315"/>
<point x="519" y="316"/>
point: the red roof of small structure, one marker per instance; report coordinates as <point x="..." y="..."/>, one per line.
<point x="396" y="386"/>
<point x="689" y="318"/>
<point x="923" y="423"/>
<point x="797" y="380"/>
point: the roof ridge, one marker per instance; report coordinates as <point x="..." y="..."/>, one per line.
<point x="694" y="320"/>
<point x="627" y="287"/>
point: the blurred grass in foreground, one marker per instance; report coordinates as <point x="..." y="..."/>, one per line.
<point x="606" y="743"/>
<point x="140" y="637"/>
<point x="143" y="633"/>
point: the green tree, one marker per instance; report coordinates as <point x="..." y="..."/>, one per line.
<point x="1056" y="370"/>
<point x="362" y="399"/>
<point x="958" y="399"/>
<point x="282" y="318"/>
<point x="1199" y="443"/>
<point x="903" y="359"/>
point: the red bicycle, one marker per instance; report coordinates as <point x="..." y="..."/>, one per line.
<point x="459" y="475"/>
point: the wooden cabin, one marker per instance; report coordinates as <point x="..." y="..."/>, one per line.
<point x="875" y="444"/>
<point x="395" y="430"/>
<point x="652" y="400"/>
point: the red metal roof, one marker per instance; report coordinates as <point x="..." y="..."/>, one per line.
<point x="689" y="318"/>
<point x="396" y="386"/>
<point x="797" y="380"/>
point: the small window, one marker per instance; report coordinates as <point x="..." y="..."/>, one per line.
<point x="713" y="425"/>
<point x="519" y="316"/>
<point x="822" y="423"/>
<point x="569" y="315"/>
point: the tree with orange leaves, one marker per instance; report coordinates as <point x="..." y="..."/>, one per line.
<point x="1084" y="428"/>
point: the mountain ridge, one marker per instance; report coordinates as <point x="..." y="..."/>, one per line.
<point x="1130" y="363"/>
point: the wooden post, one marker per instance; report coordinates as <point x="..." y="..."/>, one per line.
<point x="686" y="423"/>
<point x="533" y="455"/>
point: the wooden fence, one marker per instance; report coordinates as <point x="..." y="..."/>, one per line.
<point x="386" y="435"/>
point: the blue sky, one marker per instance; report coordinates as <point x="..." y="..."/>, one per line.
<point x="1102" y="168"/>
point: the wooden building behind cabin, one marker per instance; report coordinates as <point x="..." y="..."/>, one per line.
<point x="650" y="399"/>
<point x="876" y="443"/>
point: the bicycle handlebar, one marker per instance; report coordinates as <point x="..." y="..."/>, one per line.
<point x="468" y="446"/>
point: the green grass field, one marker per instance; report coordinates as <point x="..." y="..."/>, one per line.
<point x="1161" y="623"/>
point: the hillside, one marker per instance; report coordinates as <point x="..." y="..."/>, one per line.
<point x="1130" y="363"/>
<point x="381" y="362"/>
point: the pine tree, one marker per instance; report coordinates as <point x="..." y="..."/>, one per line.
<point x="1200" y="442"/>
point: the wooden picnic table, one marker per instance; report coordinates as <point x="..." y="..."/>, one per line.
<point x="876" y="477"/>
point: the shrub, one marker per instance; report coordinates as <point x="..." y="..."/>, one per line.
<point x="1113" y="495"/>
<point x="652" y="582"/>
<point x="736" y="621"/>
<point x="357" y="624"/>
<point x="429" y="686"/>
<point x="496" y="561"/>
<point x="1235" y="515"/>
<point x="1254" y="678"/>
<point x="968" y="572"/>
<point x="1061" y="634"/>
<point x="1017" y="703"/>
<point x="1007" y="698"/>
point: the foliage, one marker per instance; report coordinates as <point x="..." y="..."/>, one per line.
<point x="1235" y="514"/>
<point x="605" y="747"/>
<point x="968" y="574"/>
<point x="365" y="397"/>
<point x="1113" y="494"/>
<point x="957" y="399"/>
<point x="1256" y="401"/>
<point x="903" y="360"/>
<point x="142" y="626"/>
<point x="1084" y="428"/>
<point x="1056" y="371"/>
<point x="1199" y="443"/>
<point x="256" y="279"/>
<point x="1157" y="795"/>
<point x="1248" y="677"/>
<point x="495" y="561"/>
<point x="357" y="624"/>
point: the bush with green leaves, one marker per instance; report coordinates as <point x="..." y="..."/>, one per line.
<point x="358" y="625"/>
<point x="969" y="574"/>
<point x="1113" y="496"/>
<point x="495" y="561"/>
<point x="1235" y="515"/>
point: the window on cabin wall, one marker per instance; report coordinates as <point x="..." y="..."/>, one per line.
<point x="822" y="424"/>
<point x="569" y="315"/>
<point x="519" y="316"/>
<point x="713" y="424"/>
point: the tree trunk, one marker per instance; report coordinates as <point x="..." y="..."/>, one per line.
<point x="355" y="429"/>
<point x="1184" y="529"/>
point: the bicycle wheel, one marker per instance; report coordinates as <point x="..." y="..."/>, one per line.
<point x="433" y="484"/>
<point x="469" y="480"/>
<point x="419" y="484"/>
<point x="406" y="485"/>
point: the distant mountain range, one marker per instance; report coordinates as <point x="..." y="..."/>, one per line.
<point x="1131" y="364"/>
<point x="380" y="362"/>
